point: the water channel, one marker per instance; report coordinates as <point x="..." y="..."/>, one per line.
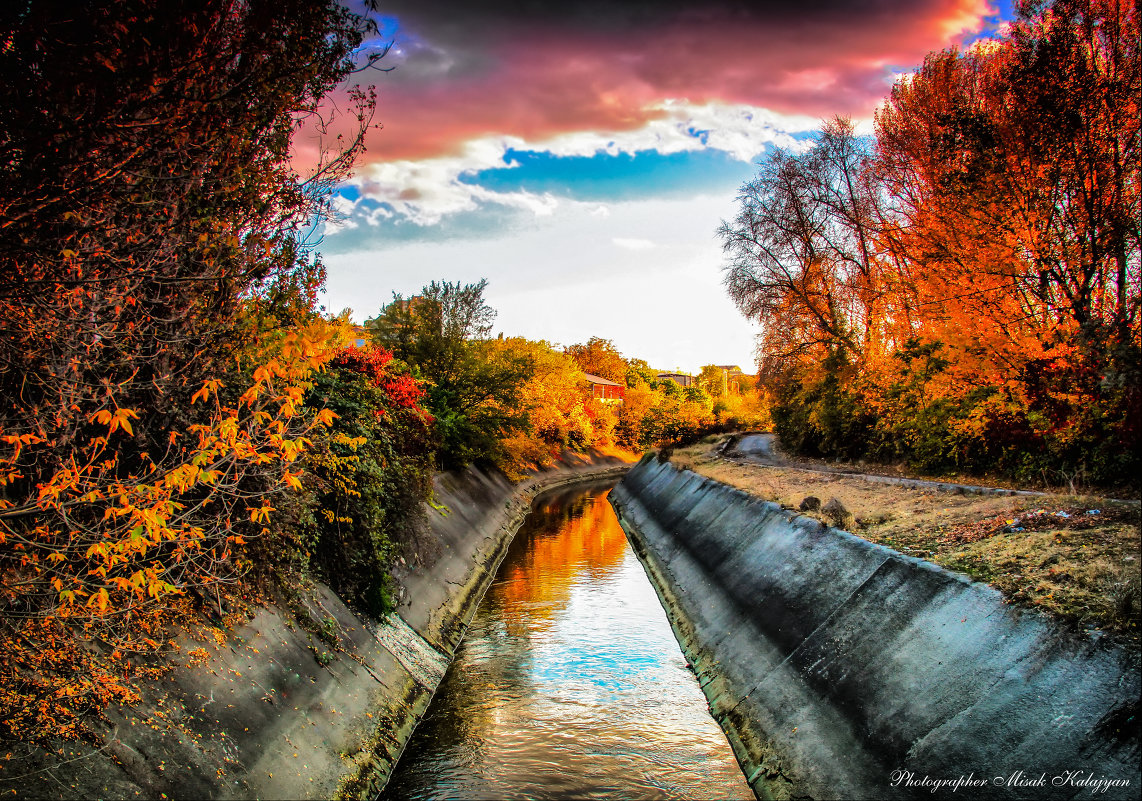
<point x="569" y="682"/>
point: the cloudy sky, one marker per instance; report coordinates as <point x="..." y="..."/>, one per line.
<point x="581" y="155"/>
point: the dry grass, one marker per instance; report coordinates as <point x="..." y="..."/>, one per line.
<point x="1075" y="557"/>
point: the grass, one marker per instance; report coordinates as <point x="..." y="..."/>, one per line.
<point x="1077" y="558"/>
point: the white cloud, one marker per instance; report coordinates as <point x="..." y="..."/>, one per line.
<point x="740" y="130"/>
<point x="424" y="192"/>
<point x="565" y="280"/>
<point x="632" y="244"/>
<point x="341" y="215"/>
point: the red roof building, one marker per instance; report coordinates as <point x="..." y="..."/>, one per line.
<point x="605" y="390"/>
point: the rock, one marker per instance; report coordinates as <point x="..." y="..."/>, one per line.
<point x="840" y="517"/>
<point x="811" y="503"/>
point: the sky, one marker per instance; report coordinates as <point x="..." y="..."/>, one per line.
<point x="581" y="155"/>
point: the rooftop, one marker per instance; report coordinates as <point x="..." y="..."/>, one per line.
<point x="595" y="379"/>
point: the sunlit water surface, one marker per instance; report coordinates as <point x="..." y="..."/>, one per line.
<point x="569" y="683"/>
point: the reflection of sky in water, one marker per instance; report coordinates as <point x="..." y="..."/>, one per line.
<point x="569" y="682"/>
<point x="606" y="638"/>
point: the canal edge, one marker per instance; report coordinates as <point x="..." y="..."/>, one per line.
<point x="832" y="662"/>
<point x="379" y="753"/>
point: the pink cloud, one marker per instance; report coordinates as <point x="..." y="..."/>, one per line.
<point x="534" y="81"/>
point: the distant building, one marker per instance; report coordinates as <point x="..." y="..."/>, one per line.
<point x="681" y="379"/>
<point x="360" y="337"/>
<point x="732" y="376"/>
<point x="605" y="390"/>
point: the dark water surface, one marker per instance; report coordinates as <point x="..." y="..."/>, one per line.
<point x="569" y="683"/>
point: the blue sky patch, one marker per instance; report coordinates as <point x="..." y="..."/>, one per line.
<point x="488" y="221"/>
<point x="606" y="177"/>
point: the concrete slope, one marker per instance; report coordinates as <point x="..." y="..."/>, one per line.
<point x="842" y="669"/>
<point x="275" y="711"/>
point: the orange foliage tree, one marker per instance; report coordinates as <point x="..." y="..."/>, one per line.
<point x="1016" y="171"/>
<point x="964" y="291"/>
<point x="598" y="356"/>
<point x="555" y="404"/>
<point x="156" y="333"/>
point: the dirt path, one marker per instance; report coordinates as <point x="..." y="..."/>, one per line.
<point x="755" y="447"/>
<point x="762" y="449"/>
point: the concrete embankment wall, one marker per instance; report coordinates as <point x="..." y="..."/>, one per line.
<point x="832" y="662"/>
<point x="272" y="711"/>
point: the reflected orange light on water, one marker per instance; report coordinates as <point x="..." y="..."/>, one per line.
<point x="569" y="682"/>
<point x="539" y="582"/>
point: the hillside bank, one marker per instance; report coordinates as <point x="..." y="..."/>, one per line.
<point x="275" y="709"/>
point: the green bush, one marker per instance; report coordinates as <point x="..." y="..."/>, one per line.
<point x="371" y="474"/>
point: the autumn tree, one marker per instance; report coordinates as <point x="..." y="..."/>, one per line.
<point x="156" y="323"/>
<point x="443" y="334"/>
<point x="1015" y="167"/>
<point x="713" y="380"/>
<point x="1031" y="146"/>
<point x="556" y="403"/>
<point x="965" y="290"/>
<point x="599" y="357"/>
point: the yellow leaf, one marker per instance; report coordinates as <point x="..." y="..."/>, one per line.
<point x="121" y="416"/>
<point x="100" y="599"/>
<point x="261" y="513"/>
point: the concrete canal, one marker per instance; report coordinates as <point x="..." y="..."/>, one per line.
<point x="569" y="682"/>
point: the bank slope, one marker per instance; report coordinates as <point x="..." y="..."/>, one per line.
<point x="320" y="709"/>
<point x="832" y="662"/>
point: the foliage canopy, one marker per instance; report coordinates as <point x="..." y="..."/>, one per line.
<point x="157" y="334"/>
<point x="964" y="290"/>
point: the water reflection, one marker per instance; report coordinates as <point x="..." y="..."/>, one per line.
<point x="569" y="682"/>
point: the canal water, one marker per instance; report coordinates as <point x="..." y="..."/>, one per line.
<point x="569" y="682"/>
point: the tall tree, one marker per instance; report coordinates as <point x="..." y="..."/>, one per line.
<point x="804" y="259"/>
<point x="152" y="267"/>
<point x="442" y="333"/>
<point x="431" y="330"/>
